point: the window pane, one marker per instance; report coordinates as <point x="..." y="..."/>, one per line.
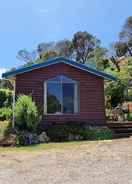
<point x="54" y="98"/>
<point x="68" y="97"/>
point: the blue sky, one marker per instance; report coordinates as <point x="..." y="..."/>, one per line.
<point x="25" y="23"/>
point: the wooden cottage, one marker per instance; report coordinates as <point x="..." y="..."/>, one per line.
<point x="64" y="90"/>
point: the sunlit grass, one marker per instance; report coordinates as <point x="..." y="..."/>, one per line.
<point x="49" y="146"/>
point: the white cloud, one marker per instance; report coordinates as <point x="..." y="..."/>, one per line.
<point x="2" y="70"/>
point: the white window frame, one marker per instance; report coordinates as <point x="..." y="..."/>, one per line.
<point x="76" y="98"/>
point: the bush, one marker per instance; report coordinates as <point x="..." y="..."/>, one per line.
<point x="26" y="114"/>
<point x="61" y="132"/>
<point x="5" y="98"/>
<point x="58" y="132"/>
<point x="97" y="134"/>
<point x="129" y="116"/>
<point x="77" y="132"/>
<point x="5" y="113"/>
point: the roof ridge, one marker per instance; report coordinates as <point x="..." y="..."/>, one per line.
<point x="56" y="60"/>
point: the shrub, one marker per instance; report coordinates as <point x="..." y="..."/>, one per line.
<point x="5" y="113"/>
<point x="61" y="131"/>
<point x="58" y="132"/>
<point x="26" y="114"/>
<point x="66" y="132"/>
<point x="97" y="134"/>
<point x="5" y="98"/>
<point x="129" y="116"/>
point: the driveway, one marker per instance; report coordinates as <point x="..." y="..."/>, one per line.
<point x="108" y="162"/>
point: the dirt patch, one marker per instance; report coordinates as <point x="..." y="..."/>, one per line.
<point x="102" y="163"/>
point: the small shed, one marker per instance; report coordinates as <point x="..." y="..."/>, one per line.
<point x="64" y="90"/>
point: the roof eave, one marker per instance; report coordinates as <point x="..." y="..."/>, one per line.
<point x="55" y="61"/>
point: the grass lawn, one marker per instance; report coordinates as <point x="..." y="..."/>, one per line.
<point x="48" y="146"/>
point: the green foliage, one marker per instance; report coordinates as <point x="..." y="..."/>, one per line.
<point x="100" y="58"/>
<point x="48" y="55"/>
<point x="64" y="48"/>
<point x="61" y="132"/>
<point x="52" y="49"/>
<point x="97" y="134"/>
<point x="115" y="90"/>
<point x="123" y="47"/>
<point x="129" y="116"/>
<point x="58" y="132"/>
<point x="129" y="94"/>
<point x="26" y="114"/>
<point x="5" y="113"/>
<point x="5" y="104"/>
<point x="83" y="45"/>
<point x="5" y="98"/>
<point x="120" y="48"/>
<point x="120" y="90"/>
<point x="5" y="84"/>
<point x="126" y="29"/>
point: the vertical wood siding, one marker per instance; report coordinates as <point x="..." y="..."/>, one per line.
<point x="91" y="91"/>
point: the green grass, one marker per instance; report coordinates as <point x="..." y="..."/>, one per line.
<point x="49" y="146"/>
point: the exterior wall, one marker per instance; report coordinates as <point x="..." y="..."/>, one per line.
<point x="91" y="92"/>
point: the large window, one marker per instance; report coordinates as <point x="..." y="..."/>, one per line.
<point x="61" y="96"/>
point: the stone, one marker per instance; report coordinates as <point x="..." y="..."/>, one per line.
<point x="71" y="137"/>
<point x="33" y="138"/>
<point x="43" y="138"/>
<point x="27" y="138"/>
<point x="75" y="137"/>
<point x="10" y="140"/>
<point x="78" y="137"/>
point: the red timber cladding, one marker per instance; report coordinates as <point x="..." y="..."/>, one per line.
<point x="91" y="91"/>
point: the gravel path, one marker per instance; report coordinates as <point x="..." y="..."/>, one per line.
<point x="91" y="163"/>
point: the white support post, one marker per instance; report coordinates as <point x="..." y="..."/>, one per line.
<point x="13" y="104"/>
